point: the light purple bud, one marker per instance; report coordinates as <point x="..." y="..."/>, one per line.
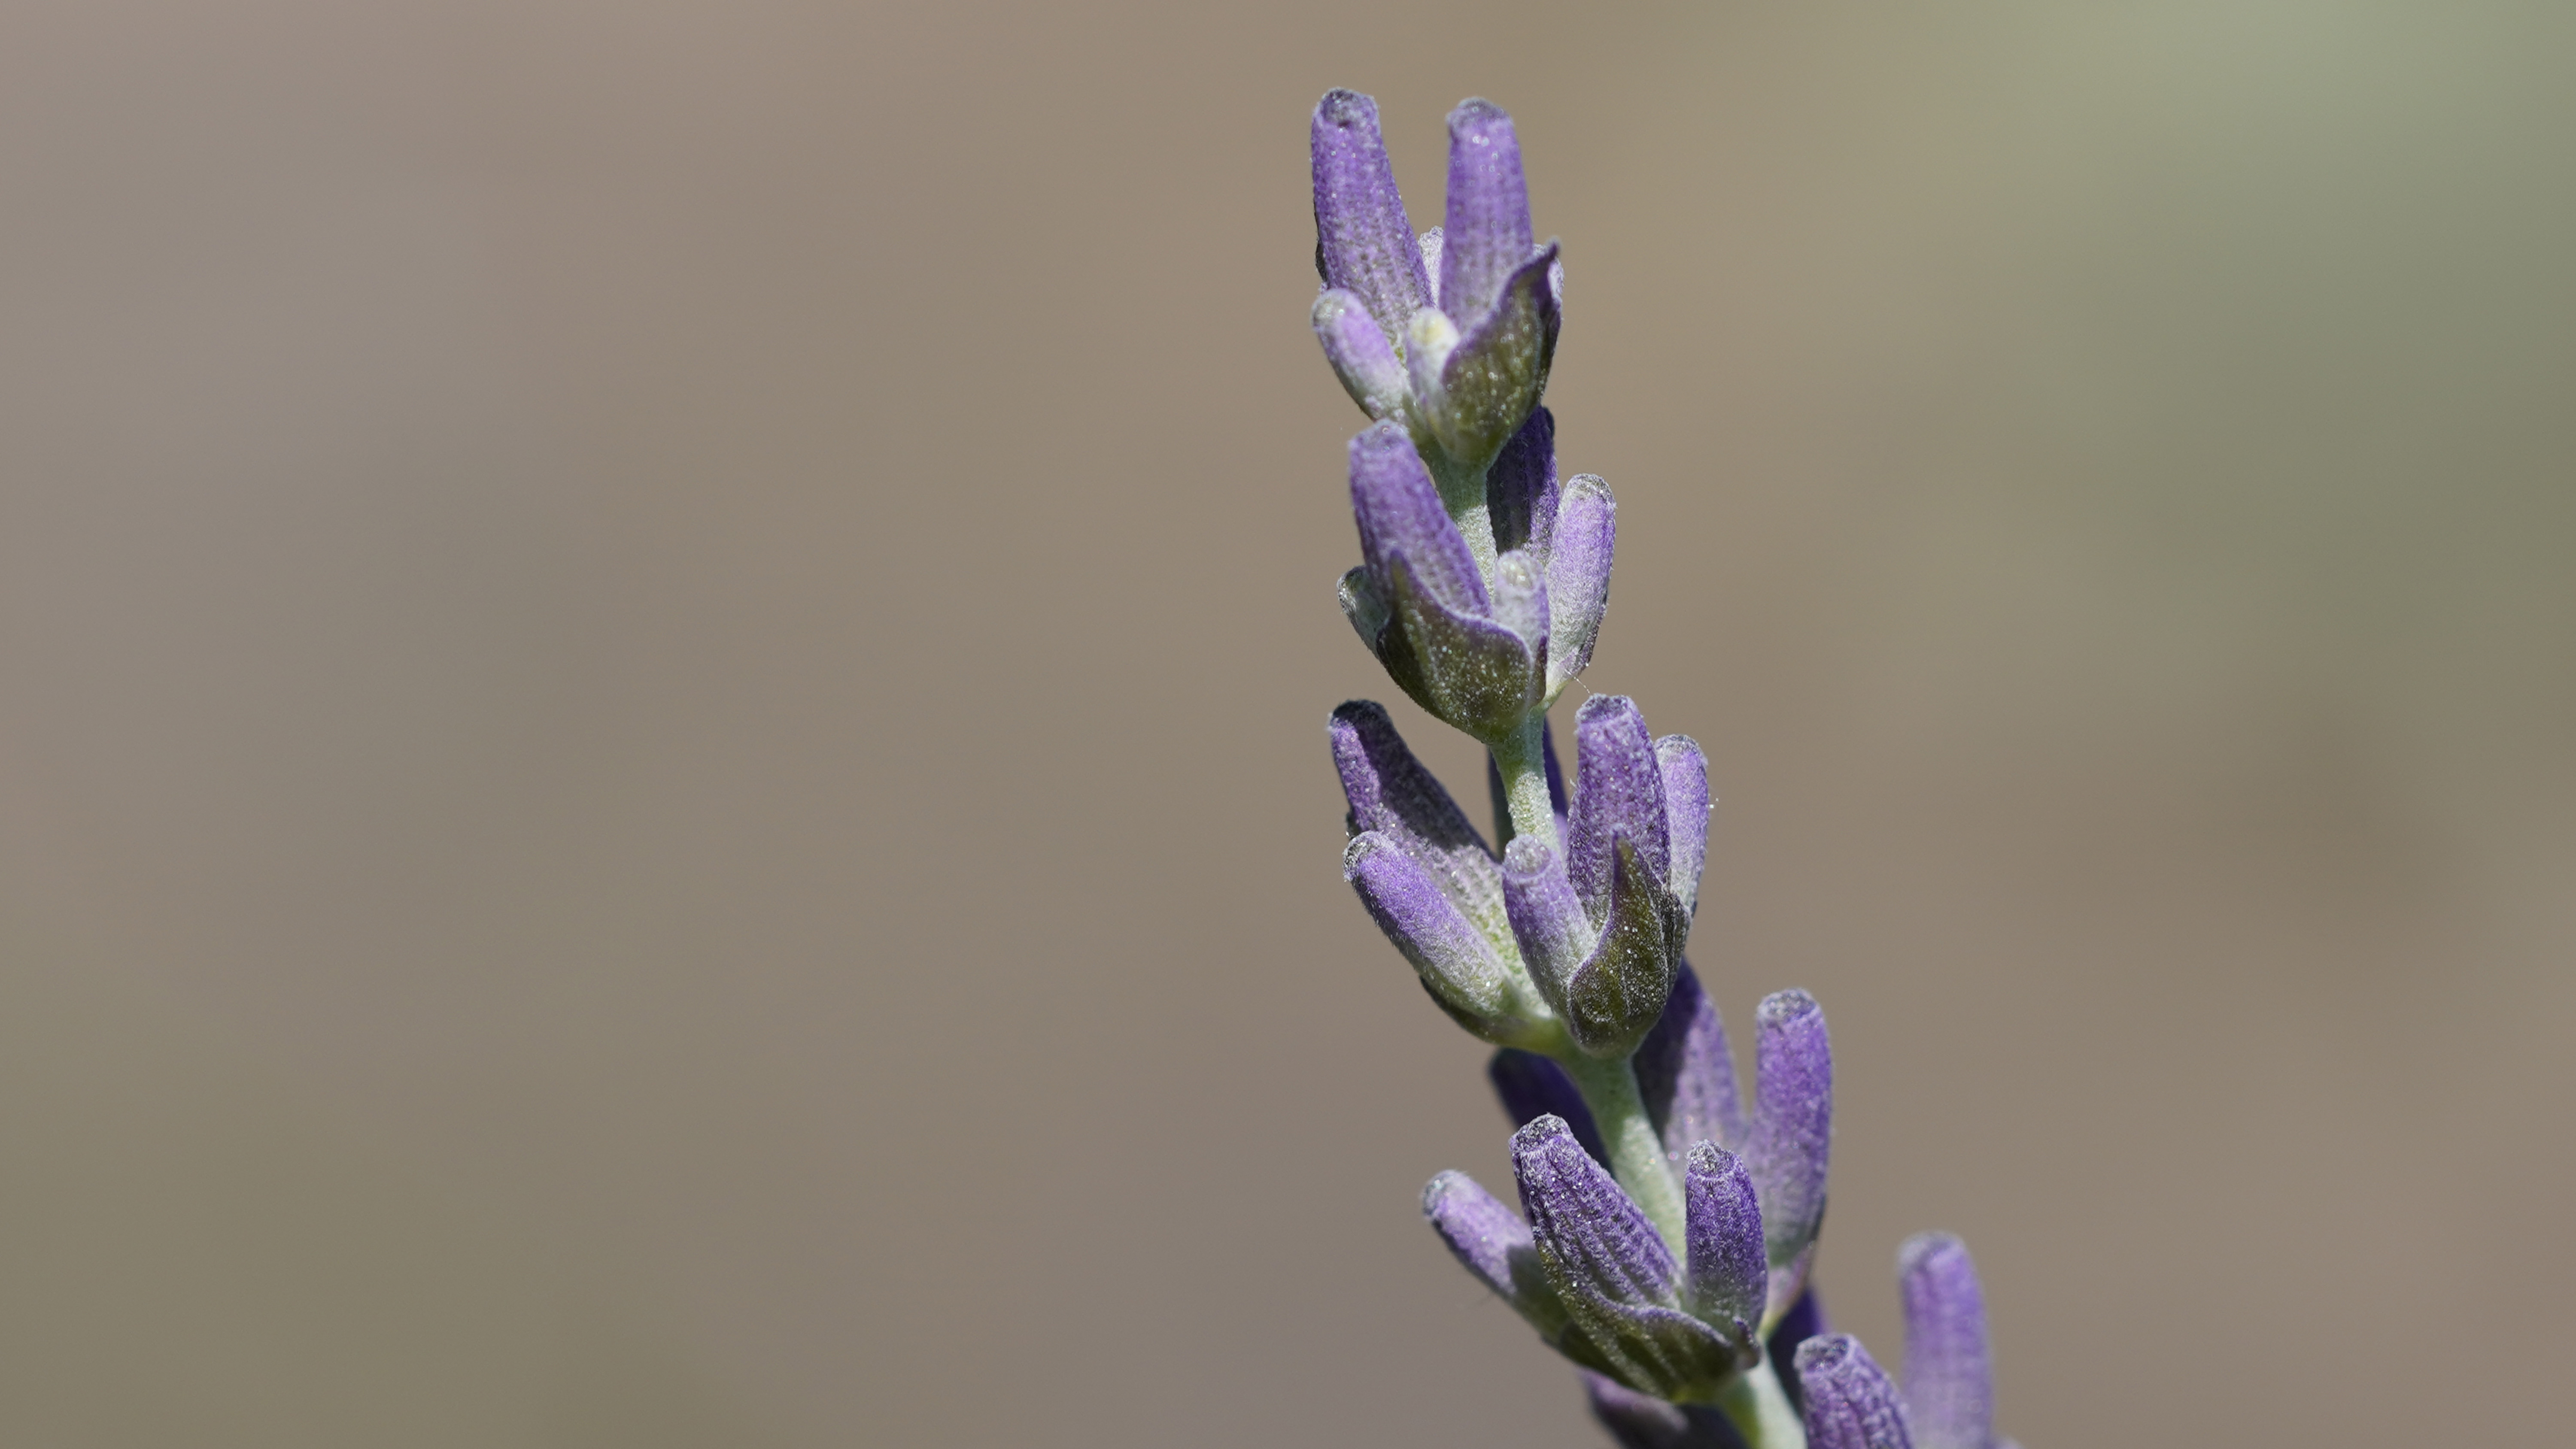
<point x="1490" y="1242"/>
<point x="1686" y="806"/>
<point x="1847" y="1400"/>
<point x="1477" y="387"/>
<point x="1578" y="574"/>
<point x="1457" y="964"/>
<point x="1686" y="1072"/>
<point x="1360" y="353"/>
<point x="1520" y="489"/>
<point x="1486" y="234"/>
<point x="1363" y="243"/>
<point x="1555" y="936"/>
<point x="1390" y="792"/>
<point x="1618" y="791"/>
<point x="1793" y="1120"/>
<point x="1432" y="244"/>
<point x="1530" y="1087"/>
<point x="1400" y="514"/>
<point x="1949" y="1365"/>
<point x="1730" y="1280"/>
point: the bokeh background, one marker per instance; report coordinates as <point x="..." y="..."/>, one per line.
<point x="661" y="761"/>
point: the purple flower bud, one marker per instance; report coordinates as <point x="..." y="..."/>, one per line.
<point x="1400" y="515"/>
<point x="1793" y="1122"/>
<point x="1490" y="1242"/>
<point x="1686" y="1072"/>
<point x="1363" y="242"/>
<point x="1949" y="1365"/>
<point x="1804" y="1320"/>
<point x="1486" y="235"/>
<point x="1618" y="792"/>
<point x="1530" y="1087"/>
<point x="1360" y="353"/>
<point x="1391" y="793"/>
<point x="1686" y="806"/>
<point x="1520" y="596"/>
<point x="1730" y="1280"/>
<point x="1616" y="996"/>
<point x="1458" y="966"/>
<point x="1578" y="574"/>
<point x="1555" y="936"/>
<point x="1432" y="244"/>
<point x="1846" y="1398"/>
<point x="1475" y="387"/>
<point x="1520" y="489"/>
<point x="1611" y="1270"/>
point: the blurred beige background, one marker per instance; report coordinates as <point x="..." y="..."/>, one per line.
<point x="661" y="773"/>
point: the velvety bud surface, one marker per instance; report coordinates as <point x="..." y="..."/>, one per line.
<point x="1618" y="791"/>
<point x="1805" y="1319"/>
<point x="1686" y="806"/>
<point x="1686" y="1072"/>
<point x="1477" y="391"/>
<point x="1578" y="574"/>
<point x="1457" y="964"/>
<point x="1399" y="512"/>
<point x="1521" y="496"/>
<point x="1949" y="1365"/>
<point x="1389" y="791"/>
<point x="1486" y="233"/>
<point x="1793" y="1120"/>
<point x="1554" y="935"/>
<point x="1363" y="242"/>
<point x="1530" y="1087"/>
<point x="1615" y="997"/>
<point x="1728" y="1273"/>
<point x="1848" y="1402"/>
<point x="1361" y="354"/>
<point x="1490" y="1241"/>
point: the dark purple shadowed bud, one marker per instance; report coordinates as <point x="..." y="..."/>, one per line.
<point x="1578" y="574"/>
<point x="1611" y="1269"/>
<point x="1618" y="790"/>
<point x="1793" y="1120"/>
<point x="1686" y="1072"/>
<point x="1804" y="1320"/>
<point x="1476" y="387"/>
<point x="1399" y="513"/>
<point x="1360" y="353"/>
<point x="1686" y="805"/>
<point x="1642" y="1421"/>
<point x="1458" y="966"/>
<point x="1390" y="792"/>
<point x="1530" y="1087"/>
<point x="1363" y="243"/>
<point x="1486" y="234"/>
<point x="1554" y="935"/>
<point x="1616" y="996"/>
<point x="1729" y="1277"/>
<point x="1520" y="489"/>
<point x="1847" y="1400"/>
<point x="1490" y="1242"/>
<point x="1949" y="1365"/>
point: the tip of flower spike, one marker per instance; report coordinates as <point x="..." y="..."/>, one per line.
<point x="1923" y="1248"/>
<point x="1824" y="1355"/>
<point x="1479" y="122"/>
<point x="1342" y="107"/>
<point x="1781" y="1007"/>
<point x="1440" y="1187"/>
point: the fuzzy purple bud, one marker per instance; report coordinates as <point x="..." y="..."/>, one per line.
<point x="1530" y="1087"/>
<point x="1847" y="1400"/>
<point x="1578" y="574"/>
<point x="1686" y="806"/>
<point x="1686" y="1072"/>
<point x="1391" y="793"/>
<point x="1729" y="1278"/>
<point x="1793" y="1122"/>
<point x="1521" y="495"/>
<point x="1618" y="792"/>
<point x="1949" y="1365"/>
<point x="1486" y="234"/>
<point x="1490" y="1242"/>
<point x="1400" y="515"/>
<point x="1363" y="242"/>
<point x="1457" y="964"/>
<point x="1361" y="355"/>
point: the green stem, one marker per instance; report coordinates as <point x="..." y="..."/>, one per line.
<point x="1759" y="1410"/>
<point x="1523" y="762"/>
<point x="1636" y="1153"/>
<point x="1462" y="492"/>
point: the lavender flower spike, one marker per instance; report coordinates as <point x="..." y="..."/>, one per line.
<point x="1612" y="1271"/>
<point x="1792" y="1139"/>
<point x="1847" y="1401"/>
<point x="1949" y="1366"/>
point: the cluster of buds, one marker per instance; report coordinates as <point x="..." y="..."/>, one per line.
<point x="1665" y="1233"/>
